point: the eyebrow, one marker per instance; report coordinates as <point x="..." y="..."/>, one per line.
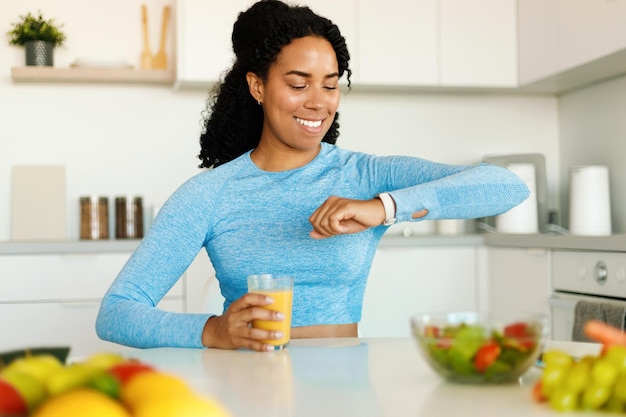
<point x="307" y="75"/>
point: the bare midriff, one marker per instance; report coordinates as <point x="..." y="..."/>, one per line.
<point x="326" y="330"/>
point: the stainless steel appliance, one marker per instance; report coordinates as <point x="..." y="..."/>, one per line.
<point x="584" y="276"/>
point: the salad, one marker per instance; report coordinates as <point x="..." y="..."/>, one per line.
<point x="472" y="353"/>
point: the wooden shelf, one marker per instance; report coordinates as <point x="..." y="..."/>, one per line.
<point x="33" y="74"/>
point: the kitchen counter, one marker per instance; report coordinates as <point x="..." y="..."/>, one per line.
<point x="348" y="377"/>
<point x="129" y="245"/>
<point x="613" y="243"/>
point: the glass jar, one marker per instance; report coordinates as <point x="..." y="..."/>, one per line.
<point x="128" y="217"/>
<point x="94" y="217"/>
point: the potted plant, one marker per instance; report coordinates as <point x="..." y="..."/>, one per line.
<point x="38" y="36"/>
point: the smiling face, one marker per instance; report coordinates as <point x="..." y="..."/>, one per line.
<point x="300" y="98"/>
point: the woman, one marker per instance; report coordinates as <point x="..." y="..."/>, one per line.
<point x="281" y="198"/>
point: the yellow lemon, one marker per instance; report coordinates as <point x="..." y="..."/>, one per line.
<point x="80" y="403"/>
<point x="147" y="386"/>
<point x="191" y="406"/>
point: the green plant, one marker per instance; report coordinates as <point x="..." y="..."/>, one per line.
<point x="31" y="28"/>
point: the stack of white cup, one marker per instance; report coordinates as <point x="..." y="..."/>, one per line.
<point x="590" y="202"/>
<point x="522" y="218"/>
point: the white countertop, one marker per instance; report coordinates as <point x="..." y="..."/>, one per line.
<point x="350" y="377"/>
<point x="613" y="243"/>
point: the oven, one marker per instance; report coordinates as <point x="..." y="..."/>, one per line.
<point x="597" y="277"/>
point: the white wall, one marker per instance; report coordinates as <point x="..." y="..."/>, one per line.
<point x="127" y="139"/>
<point x="593" y="131"/>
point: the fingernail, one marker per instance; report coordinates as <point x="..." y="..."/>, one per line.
<point x="269" y="348"/>
<point x="278" y="335"/>
<point x="280" y="315"/>
<point x="269" y="300"/>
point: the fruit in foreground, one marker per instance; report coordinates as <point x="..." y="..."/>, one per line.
<point x="190" y="406"/>
<point x="32" y="391"/>
<point x="38" y="366"/>
<point x="71" y="377"/>
<point x="11" y="402"/>
<point x="127" y="370"/>
<point x="147" y="386"/>
<point x="81" y="402"/>
<point x="105" y="360"/>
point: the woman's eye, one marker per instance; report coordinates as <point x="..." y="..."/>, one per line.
<point x="331" y="87"/>
<point x="298" y="87"/>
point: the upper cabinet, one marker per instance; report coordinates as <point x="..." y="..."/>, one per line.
<point x="546" y="46"/>
<point x="478" y="43"/>
<point x="203" y="45"/>
<point x="567" y="44"/>
<point x="590" y="29"/>
<point x="397" y="43"/>
<point x="406" y="43"/>
<point x="538" y="34"/>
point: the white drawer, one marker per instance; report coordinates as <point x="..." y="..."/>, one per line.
<point x="59" y="324"/>
<point x="61" y="277"/>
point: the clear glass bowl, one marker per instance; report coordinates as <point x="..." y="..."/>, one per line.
<point x="480" y="348"/>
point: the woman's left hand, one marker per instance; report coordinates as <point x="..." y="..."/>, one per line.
<point x="338" y="216"/>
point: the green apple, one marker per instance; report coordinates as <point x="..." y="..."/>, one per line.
<point x="31" y="389"/>
<point x="70" y="377"/>
<point x="38" y="366"/>
<point x="104" y="360"/>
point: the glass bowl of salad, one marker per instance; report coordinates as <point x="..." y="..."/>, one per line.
<point x="479" y="348"/>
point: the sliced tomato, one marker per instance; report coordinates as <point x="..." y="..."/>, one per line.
<point x="516" y="330"/>
<point x="521" y="333"/>
<point x="486" y="356"/>
<point x="431" y="331"/>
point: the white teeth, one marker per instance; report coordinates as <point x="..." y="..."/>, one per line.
<point x="309" y="123"/>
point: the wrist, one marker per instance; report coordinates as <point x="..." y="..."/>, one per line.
<point x="209" y="332"/>
<point x="390" y="208"/>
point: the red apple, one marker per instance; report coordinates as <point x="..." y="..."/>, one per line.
<point x="11" y="402"/>
<point x="125" y="371"/>
<point x="30" y="388"/>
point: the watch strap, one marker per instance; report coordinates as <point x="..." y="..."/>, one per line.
<point x="390" y="208"/>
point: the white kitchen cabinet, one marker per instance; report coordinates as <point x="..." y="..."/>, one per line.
<point x="478" y="43"/>
<point x="203" y="39"/>
<point x="538" y="39"/>
<point x="397" y="43"/>
<point x="407" y="280"/>
<point x="53" y="299"/>
<point x="204" y="29"/>
<point x="590" y="29"/>
<point x="519" y="280"/>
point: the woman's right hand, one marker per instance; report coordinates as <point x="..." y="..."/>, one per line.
<point x="233" y="329"/>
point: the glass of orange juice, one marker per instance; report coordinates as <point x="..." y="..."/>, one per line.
<point x="280" y="288"/>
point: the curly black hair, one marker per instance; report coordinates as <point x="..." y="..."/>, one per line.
<point x="233" y="120"/>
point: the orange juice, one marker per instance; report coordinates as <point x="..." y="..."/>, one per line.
<point x="282" y="302"/>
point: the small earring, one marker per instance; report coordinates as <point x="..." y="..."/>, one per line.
<point x="259" y="101"/>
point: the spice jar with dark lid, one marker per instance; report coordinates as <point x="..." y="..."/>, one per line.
<point x="94" y="217"/>
<point x="128" y="217"/>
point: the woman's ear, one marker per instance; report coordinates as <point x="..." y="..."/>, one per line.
<point x="255" y="85"/>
